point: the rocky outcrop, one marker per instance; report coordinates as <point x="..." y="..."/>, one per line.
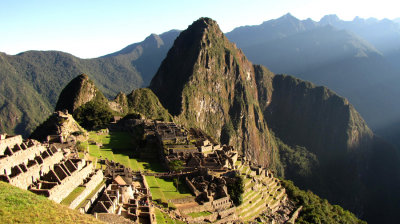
<point x="78" y="92"/>
<point x="58" y="124"/>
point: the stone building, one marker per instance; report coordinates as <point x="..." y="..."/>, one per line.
<point x="128" y="196"/>
<point x="44" y="169"/>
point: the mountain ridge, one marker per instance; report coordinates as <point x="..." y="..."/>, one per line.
<point x="33" y="80"/>
<point x="207" y="82"/>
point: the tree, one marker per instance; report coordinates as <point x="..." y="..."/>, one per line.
<point x="176" y="166"/>
<point x="236" y="189"/>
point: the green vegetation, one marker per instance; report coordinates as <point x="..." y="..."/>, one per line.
<point x="21" y="206"/>
<point x="81" y="147"/>
<point x="118" y="146"/>
<point x="236" y="189"/>
<point x="32" y="81"/>
<point x="176" y="166"/>
<point x="315" y="209"/>
<point x="75" y="193"/>
<point x="163" y="190"/>
<point x="298" y="163"/>
<point x="145" y="102"/>
<point x="93" y="115"/>
<point x="92" y="193"/>
<point x="163" y="218"/>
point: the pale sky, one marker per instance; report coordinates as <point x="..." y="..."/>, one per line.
<point x="92" y="28"/>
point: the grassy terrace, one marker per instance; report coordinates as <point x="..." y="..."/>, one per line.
<point x="163" y="218"/>
<point x="92" y="193"/>
<point x="117" y="146"/>
<point x="75" y="193"/>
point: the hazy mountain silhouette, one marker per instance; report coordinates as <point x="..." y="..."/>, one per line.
<point x="333" y="53"/>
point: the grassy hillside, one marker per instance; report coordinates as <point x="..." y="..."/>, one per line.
<point x="146" y="102"/>
<point x="316" y="209"/>
<point x="20" y="206"/>
<point x="32" y="81"/>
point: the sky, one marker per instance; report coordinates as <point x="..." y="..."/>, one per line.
<point x="92" y="28"/>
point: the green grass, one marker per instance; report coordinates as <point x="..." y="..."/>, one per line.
<point x="75" y="193"/>
<point x="170" y="191"/>
<point x="198" y="214"/>
<point x="92" y="193"/>
<point x="21" y="206"/>
<point x="118" y="146"/>
<point x="163" y="218"/>
<point x="159" y="216"/>
<point x="165" y="190"/>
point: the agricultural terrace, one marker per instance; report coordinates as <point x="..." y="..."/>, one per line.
<point x="119" y="147"/>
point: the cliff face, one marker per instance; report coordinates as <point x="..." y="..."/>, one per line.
<point x="78" y="92"/>
<point x="206" y="82"/>
<point x="301" y="113"/>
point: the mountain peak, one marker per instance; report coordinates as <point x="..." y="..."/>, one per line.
<point x="204" y="24"/>
<point x="329" y="19"/>
<point x="154" y="39"/>
<point x="78" y="92"/>
<point x="287" y="16"/>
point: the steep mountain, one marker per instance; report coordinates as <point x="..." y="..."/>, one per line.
<point x="206" y="82"/>
<point x="33" y="80"/>
<point x="85" y="102"/>
<point x="330" y="56"/>
<point x="77" y="93"/>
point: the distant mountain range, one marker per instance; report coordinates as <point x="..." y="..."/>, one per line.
<point x="357" y="59"/>
<point x="32" y="81"/>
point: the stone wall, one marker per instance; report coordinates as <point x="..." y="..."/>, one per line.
<point x="90" y="201"/>
<point x="95" y="180"/>
<point x="9" y="141"/>
<point x="221" y="203"/>
<point x="19" y="157"/>
<point x="187" y="199"/>
<point x="224" y="213"/>
<point x="61" y="191"/>
<point x="201" y="208"/>
<point x="209" y="218"/>
<point x="33" y="172"/>
<point x="192" y="188"/>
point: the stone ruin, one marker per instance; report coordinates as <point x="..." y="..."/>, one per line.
<point x="128" y="196"/>
<point x="43" y="168"/>
<point x="193" y="147"/>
